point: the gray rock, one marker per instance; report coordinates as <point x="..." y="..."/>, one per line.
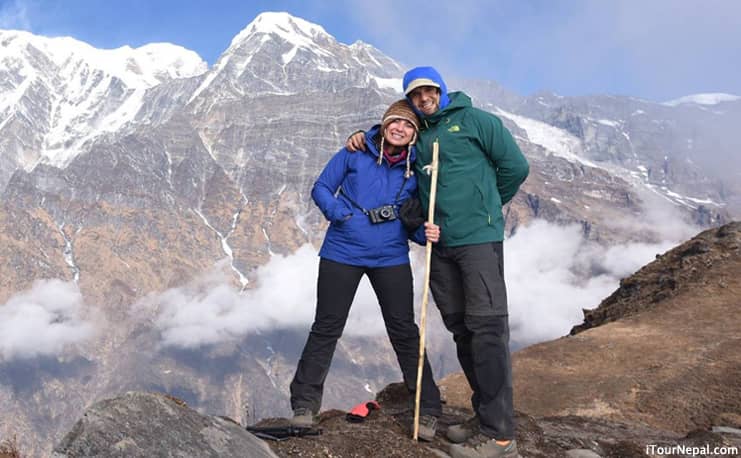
<point x="581" y="453"/>
<point x="438" y="453"/>
<point x="149" y="424"/>
<point x="727" y="430"/>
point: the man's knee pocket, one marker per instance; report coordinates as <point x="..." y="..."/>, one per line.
<point x="497" y="325"/>
<point x="455" y="323"/>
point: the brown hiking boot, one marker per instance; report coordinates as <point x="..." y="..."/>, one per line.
<point x="427" y="428"/>
<point x="303" y="418"/>
<point x="462" y="432"/>
<point x="487" y="449"/>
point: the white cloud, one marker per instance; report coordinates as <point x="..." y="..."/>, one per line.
<point x="659" y="219"/>
<point x="630" y="47"/>
<point x="418" y="32"/>
<point x="42" y="321"/>
<point x="552" y="274"/>
<point x="211" y="310"/>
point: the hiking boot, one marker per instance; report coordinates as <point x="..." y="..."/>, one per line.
<point x="462" y="432"/>
<point x="427" y="428"/>
<point x="302" y="417"/>
<point x="487" y="449"/>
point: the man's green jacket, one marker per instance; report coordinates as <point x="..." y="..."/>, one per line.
<point x="480" y="169"/>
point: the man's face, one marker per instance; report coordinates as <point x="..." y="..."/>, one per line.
<point x="426" y="99"/>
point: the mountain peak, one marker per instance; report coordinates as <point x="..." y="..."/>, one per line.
<point x="144" y="66"/>
<point x="278" y="53"/>
<point x="292" y="29"/>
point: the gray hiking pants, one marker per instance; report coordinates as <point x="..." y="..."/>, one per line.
<point x="467" y="283"/>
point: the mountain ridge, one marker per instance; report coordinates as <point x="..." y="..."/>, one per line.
<point x="69" y="92"/>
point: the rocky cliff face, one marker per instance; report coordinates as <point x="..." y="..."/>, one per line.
<point x="131" y="172"/>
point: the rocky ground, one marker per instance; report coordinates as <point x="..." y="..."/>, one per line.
<point x="387" y="433"/>
<point x="657" y="364"/>
<point x="144" y="425"/>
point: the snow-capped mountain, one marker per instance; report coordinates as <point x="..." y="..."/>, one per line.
<point x="283" y="55"/>
<point x="132" y="171"/>
<point x="59" y="93"/>
<point x="685" y="154"/>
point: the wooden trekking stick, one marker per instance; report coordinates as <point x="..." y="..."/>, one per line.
<point x="426" y="293"/>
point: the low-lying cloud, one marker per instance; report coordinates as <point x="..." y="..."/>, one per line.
<point x="552" y="274"/>
<point x="212" y="310"/>
<point x="42" y="321"/>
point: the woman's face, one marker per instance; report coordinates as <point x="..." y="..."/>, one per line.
<point x="399" y="132"/>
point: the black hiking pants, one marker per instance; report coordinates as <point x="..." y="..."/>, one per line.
<point x="336" y="289"/>
<point x="467" y="283"/>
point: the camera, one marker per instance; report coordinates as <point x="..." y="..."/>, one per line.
<point x="382" y="214"/>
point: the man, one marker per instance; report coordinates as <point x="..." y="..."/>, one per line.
<point x="480" y="169"/>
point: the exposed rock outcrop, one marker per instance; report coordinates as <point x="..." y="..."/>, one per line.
<point x="147" y="424"/>
<point x="707" y="262"/>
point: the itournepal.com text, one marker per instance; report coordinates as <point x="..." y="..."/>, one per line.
<point x="705" y="450"/>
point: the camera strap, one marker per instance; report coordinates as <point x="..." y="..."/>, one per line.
<point x="352" y="201"/>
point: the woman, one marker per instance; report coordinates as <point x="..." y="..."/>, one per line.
<point x="360" y="194"/>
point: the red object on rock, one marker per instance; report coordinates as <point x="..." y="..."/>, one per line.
<point x="358" y="413"/>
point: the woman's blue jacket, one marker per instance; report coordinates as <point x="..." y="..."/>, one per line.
<point x="357" y="177"/>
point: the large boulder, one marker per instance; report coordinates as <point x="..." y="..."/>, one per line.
<point x="149" y="424"/>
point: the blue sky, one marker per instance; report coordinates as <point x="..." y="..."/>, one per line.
<point x="654" y="49"/>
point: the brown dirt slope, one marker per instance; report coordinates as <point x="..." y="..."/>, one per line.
<point x="663" y="350"/>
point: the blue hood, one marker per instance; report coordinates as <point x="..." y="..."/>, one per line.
<point x="431" y="74"/>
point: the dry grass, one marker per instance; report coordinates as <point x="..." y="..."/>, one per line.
<point x="172" y="398"/>
<point x="9" y="448"/>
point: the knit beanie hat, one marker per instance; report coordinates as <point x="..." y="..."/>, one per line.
<point x="399" y="110"/>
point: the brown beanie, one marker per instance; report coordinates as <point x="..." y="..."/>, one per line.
<point x="400" y="110"/>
